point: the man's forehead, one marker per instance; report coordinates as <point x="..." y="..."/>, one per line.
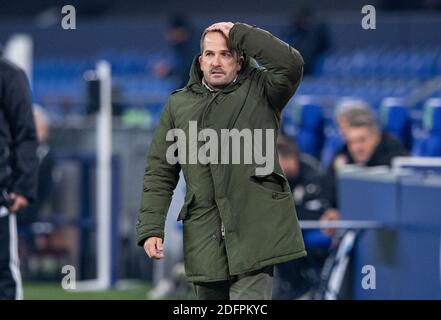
<point x="215" y="41"/>
<point x="361" y="131"/>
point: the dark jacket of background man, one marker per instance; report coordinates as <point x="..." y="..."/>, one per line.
<point x="18" y="142"/>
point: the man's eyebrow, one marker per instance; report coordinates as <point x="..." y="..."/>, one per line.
<point x="222" y="51"/>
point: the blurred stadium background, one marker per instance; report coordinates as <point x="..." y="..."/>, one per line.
<point x="396" y="68"/>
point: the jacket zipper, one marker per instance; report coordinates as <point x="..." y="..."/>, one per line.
<point x="222" y="231"/>
<point x="204" y="112"/>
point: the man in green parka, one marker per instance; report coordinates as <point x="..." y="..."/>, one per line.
<point x="238" y="218"/>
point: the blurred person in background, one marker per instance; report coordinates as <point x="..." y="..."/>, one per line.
<point x="180" y="36"/>
<point x="342" y="111"/>
<point x="46" y="164"/>
<point x="296" y="277"/>
<point x="311" y="38"/>
<point x="39" y="210"/>
<point x="302" y="172"/>
<point x="336" y="141"/>
<point x="18" y="170"/>
<point x="366" y="145"/>
<point x="227" y="257"/>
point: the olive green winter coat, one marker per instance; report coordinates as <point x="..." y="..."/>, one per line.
<point x="256" y="213"/>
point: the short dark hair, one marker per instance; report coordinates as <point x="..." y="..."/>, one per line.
<point x="287" y="147"/>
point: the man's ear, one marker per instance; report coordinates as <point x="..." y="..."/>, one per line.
<point x="241" y="62"/>
<point x="200" y="62"/>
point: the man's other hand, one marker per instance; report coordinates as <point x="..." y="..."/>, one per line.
<point x="17" y="202"/>
<point x="154" y="248"/>
<point x="223" y="27"/>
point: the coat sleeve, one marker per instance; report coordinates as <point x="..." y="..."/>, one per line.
<point x="160" y="179"/>
<point x="18" y="107"/>
<point x="283" y="64"/>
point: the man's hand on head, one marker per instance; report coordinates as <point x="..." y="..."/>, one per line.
<point x="154" y="248"/>
<point x="17" y="202"/>
<point x="223" y="27"/>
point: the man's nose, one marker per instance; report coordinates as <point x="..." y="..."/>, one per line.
<point x="216" y="61"/>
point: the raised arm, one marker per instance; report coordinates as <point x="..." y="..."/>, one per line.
<point x="283" y="64"/>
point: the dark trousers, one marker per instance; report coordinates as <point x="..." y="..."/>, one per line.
<point x="256" y="285"/>
<point x="10" y="277"/>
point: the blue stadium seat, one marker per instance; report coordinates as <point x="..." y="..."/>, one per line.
<point x="333" y="144"/>
<point x="430" y="145"/>
<point x="369" y="73"/>
<point x="309" y="120"/>
<point x="316" y="239"/>
<point x="395" y="118"/>
<point x="396" y="62"/>
<point x="288" y="125"/>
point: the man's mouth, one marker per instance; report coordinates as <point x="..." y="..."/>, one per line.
<point x="217" y="72"/>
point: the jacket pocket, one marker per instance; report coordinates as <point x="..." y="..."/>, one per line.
<point x="271" y="182"/>
<point x="183" y="214"/>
